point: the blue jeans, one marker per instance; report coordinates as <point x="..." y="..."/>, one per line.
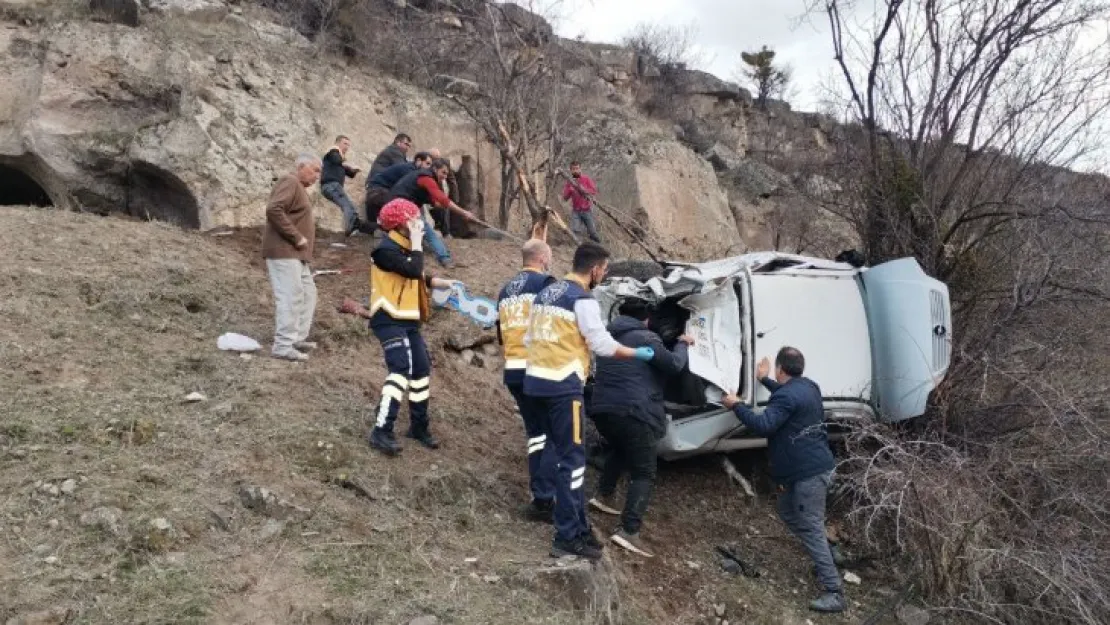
<point x="435" y="242"/>
<point x="580" y="220"/>
<point x="335" y="193"/>
<point x="802" y="508"/>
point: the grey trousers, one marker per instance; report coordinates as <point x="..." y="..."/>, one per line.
<point x="294" y="301"/>
<point x="802" y="509"/>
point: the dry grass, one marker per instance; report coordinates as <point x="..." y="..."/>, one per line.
<point x="108" y="324"/>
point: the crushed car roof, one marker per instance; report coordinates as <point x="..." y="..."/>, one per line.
<point x="682" y="278"/>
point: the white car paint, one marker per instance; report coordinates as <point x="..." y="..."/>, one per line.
<point x="875" y="340"/>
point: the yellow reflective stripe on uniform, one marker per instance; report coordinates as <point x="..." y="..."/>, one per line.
<point x="397" y="379"/>
<point x="577" y="416"/>
<point x="392" y="391"/>
<point x="393" y="311"/>
<point x="515" y="364"/>
<point x="557" y="375"/>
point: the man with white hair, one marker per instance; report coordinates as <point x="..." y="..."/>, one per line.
<point x="287" y="244"/>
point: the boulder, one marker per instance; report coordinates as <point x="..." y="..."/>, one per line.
<point x="722" y="157"/>
<point x="758" y="179"/>
<point x="468" y="337"/>
<point x="266" y="503"/>
<point x="909" y="614"/>
<point x="124" y="12"/>
<point x="204" y="11"/>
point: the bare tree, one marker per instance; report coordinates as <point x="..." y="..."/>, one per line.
<point x="966" y="117"/>
<point x="665" y="45"/>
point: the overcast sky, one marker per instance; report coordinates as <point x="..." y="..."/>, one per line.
<point x="724" y="28"/>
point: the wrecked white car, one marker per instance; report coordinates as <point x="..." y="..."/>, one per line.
<point x="877" y="340"/>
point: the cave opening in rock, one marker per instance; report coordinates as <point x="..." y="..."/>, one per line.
<point x="156" y="194"/>
<point x="17" y="188"/>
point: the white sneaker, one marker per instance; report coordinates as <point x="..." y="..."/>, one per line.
<point x="305" y="346"/>
<point x="604" y="504"/>
<point x="291" y="355"/>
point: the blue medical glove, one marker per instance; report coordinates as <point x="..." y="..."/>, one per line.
<point x="644" y="354"/>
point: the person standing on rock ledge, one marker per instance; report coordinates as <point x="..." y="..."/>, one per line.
<point x="287" y="245"/>
<point x="565" y="327"/>
<point x="334" y="176"/>
<point x="399" y="303"/>
<point x="580" y="193"/>
<point x="514" y="309"/>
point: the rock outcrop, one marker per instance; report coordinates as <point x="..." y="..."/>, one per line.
<point x="188" y="112"/>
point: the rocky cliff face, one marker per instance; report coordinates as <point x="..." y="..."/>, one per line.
<point x="187" y="117"/>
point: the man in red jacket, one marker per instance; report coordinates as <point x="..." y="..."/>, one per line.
<point x="581" y="202"/>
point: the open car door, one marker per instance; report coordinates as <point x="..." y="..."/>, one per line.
<point x="717" y="355"/>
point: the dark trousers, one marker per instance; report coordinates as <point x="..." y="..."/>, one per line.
<point x="801" y="506"/>
<point x="632" y="448"/>
<point x="406" y="358"/>
<point x="563" y="418"/>
<point x="376" y="197"/>
<point x="442" y="219"/>
<point x="541" y="451"/>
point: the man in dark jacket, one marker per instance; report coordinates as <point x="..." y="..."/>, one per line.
<point x="396" y="152"/>
<point x="801" y="461"/>
<point x="627" y="407"/>
<point x="332" y="178"/>
<point x="378" y="186"/>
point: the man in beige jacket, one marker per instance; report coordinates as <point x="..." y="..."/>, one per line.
<point x="287" y="244"/>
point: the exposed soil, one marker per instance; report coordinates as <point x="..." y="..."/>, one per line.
<point x="106" y="325"/>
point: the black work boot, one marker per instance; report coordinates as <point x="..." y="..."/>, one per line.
<point x="424" y="437"/>
<point x="577" y="547"/>
<point x="384" y="441"/>
<point x="540" y="511"/>
<point x="592" y="540"/>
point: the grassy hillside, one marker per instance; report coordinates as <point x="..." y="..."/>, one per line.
<point x="120" y="502"/>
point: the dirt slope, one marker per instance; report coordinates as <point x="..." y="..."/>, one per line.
<point x="106" y="325"/>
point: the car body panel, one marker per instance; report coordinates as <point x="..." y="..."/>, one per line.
<point x="718" y="352"/>
<point x="910" y="321"/>
<point x="822" y="316"/>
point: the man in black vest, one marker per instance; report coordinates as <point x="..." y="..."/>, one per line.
<point x="379" y="185"/>
<point x="425" y="186"/>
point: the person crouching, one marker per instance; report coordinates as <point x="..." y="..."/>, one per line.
<point x="399" y="303"/>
